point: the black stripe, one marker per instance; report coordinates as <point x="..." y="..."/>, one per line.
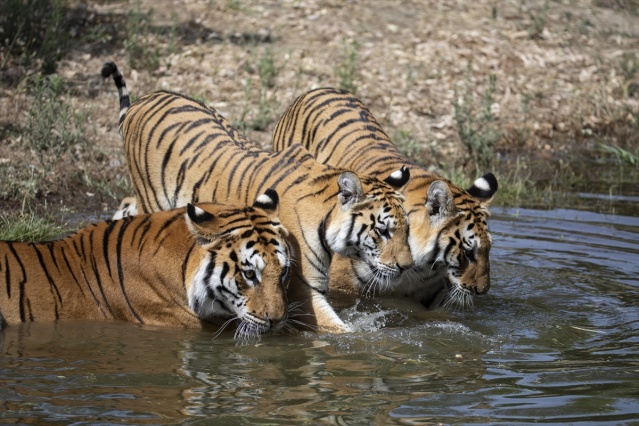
<point x="22" y="282"/>
<point x="98" y="281"/>
<point x="321" y="233"/>
<point x="119" y="255"/>
<point x="105" y="245"/>
<point x="7" y="276"/>
<point x="50" y="246"/>
<point x="70" y="269"/>
<point x="141" y="221"/>
<point x="185" y="264"/>
<point x="54" y="288"/>
<point x="225" y="270"/>
<point x="164" y="231"/>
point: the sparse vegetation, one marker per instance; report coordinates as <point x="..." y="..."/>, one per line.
<point x="407" y="145"/>
<point x="629" y="67"/>
<point x="141" y="52"/>
<point x="27" y="225"/>
<point x="260" y="118"/>
<point x="52" y="132"/>
<point x="621" y="155"/>
<point x="536" y="20"/>
<point x="32" y="32"/>
<point x="267" y="70"/>
<point x="52" y="129"/>
<point x="476" y="124"/>
<point x="347" y="69"/>
<point x="521" y="111"/>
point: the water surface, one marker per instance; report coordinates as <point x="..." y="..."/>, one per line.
<point x="555" y="341"/>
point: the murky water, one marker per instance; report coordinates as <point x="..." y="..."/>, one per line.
<point x="555" y="341"/>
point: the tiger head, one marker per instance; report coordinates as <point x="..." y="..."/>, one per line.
<point x="372" y="227"/>
<point x="244" y="260"/>
<point x="458" y="243"/>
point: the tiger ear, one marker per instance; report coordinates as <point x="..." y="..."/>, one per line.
<point x="398" y="178"/>
<point x="267" y="201"/>
<point x="350" y="189"/>
<point x="201" y="224"/>
<point x="440" y="202"/>
<point x="484" y="188"/>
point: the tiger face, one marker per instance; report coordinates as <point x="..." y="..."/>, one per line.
<point x="459" y="253"/>
<point x="373" y="229"/>
<point x="245" y="268"/>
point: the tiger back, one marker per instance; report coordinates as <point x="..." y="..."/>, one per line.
<point x="188" y="267"/>
<point x="449" y="237"/>
<point x="181" y="151"/>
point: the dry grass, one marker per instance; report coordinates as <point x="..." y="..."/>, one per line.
<point x="564" y="75"/>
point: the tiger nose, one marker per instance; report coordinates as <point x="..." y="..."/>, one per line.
<point x="404" y="262"/>
<point x="482" y="286"/>
<point x="274" y="320"/>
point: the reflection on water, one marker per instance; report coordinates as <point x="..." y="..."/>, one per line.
<point x="555" y="341"/>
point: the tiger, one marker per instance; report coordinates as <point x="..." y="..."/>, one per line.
<point x="179" y="151"/>
<point x="189" y="267"/>
<point x="449" y="237"/>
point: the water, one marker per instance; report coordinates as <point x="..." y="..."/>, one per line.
<point x="555" y="341"/>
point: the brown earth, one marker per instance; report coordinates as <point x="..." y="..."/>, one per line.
<point x="561" y="83"/>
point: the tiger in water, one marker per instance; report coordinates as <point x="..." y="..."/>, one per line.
<point x="449" y="237"/>
<point x="180" y="151"/>
<point x="200" y="264"/>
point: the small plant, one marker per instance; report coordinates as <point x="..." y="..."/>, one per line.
<point x="537" y="21"/>
<point x="477" y="130"/>
<point x="629" y="66"/>
<point x="257" y="119"/>
<point x="346" y="71"/>
<point x="267" y="71"/>
<point x="51" y="128"/>
<point x="234" y="5"/>
<point x="407" y="145"/>
<point x="18" y="182"/>
<point x="141" y="53"/>
<point x="621" y="155"/>
<point x="27" y="225"/>
<point x="53" y="133"/>
<point x="113" y="187"/>
<point x="33" y="29"/>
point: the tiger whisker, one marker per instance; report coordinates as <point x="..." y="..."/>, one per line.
<point x="459" y="297"/>
<point x="248" y="332"/>
<point x="295" y="311"/>
<point x="305" y="325"/>
<point x="223" y="326"/>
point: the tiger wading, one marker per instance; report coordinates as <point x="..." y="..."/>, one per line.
<point x="206" y="263"/>
<point x="449" y="237"/>
<point x="180" y="151"/>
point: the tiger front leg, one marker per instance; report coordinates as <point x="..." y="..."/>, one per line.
<point x="311" y="309"/>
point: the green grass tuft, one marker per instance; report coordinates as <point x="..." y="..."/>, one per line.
<point x="29" y="226"/>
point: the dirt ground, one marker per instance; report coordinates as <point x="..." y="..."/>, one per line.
<point x="562" y="71"/>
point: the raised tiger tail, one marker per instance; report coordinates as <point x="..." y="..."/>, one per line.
<point x="110" y="69"/>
